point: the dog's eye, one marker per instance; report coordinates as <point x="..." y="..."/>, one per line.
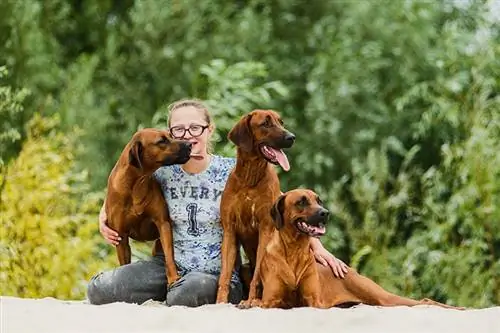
<point x="268" y="123"/>
<point x="281" y="122"/>
<point x="319" y="201"/>
<point x="162" y="141"/>
<point x="302" y="202"/>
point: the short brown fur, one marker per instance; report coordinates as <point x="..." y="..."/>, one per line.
<point x="291" y="277"/>
<point x="135" y="205"/>
<point x="251" y="189"/>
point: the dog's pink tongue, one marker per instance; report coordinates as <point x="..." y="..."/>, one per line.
<point x="281" y="158"/>
<point x="320" y="230"/>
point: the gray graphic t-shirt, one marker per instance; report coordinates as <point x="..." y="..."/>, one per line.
<point x="194" y="207"/>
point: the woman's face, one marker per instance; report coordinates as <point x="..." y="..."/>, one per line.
<point x="190" y="124"/>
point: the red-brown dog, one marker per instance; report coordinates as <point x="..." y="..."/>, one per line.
<point x="250" y="191"/>
<point x="135" y="205"/>
<point x="289" y="272"/>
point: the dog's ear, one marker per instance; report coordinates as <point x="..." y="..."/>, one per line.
<point x="135" y="154"/>
<point x="241" y="135"/>
<point x="277" y="212"/>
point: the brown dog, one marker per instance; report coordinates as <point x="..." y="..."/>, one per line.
<point x="290" y="275"/>
<point x="135" y="205"/>
<point x="250" y="191"/>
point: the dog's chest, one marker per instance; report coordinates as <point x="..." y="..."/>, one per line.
<point x="249" y="215"/>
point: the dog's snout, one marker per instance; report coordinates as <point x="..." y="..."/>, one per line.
<point x="324" y="213"/>
<point x="187" y="144"/>
<point x="290" y="137"/>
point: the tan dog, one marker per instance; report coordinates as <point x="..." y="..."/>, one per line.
<point x="250" y="191"/>
<point x="289" y="272"/>
<point x="135" y="205"/>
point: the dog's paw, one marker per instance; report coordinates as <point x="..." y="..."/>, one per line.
<point x="244" y="305"/>
<point x="249" y="304"/>
<point x="172" y="280"/>
<point x="427" y="301"/>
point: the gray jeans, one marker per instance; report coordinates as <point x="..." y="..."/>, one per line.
<point x="142" y="280"/>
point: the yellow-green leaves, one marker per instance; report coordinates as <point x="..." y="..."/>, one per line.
<point x="49" y="243"/>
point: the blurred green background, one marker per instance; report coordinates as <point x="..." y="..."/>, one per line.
<point x="395" y="105"/>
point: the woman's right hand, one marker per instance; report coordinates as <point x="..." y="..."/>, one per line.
<point x="110" y="235"/>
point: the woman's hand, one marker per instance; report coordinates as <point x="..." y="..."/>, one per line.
<point x="109" y="234"/>
<point x="325" y="258"/>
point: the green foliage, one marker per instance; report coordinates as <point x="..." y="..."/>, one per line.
<point x="10" y="108"/>
<point x="432" y="231"/>
<point x="48" y="240"/>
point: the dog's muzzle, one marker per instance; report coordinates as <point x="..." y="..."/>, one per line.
<point x="315" y="225"/>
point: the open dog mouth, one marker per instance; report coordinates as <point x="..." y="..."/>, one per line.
<point x="311" y="230"/>
<point x="275" y="156"/>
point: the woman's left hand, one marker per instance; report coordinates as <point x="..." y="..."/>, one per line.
<point x="325" y="258"/>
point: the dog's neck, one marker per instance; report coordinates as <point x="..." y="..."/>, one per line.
<point x="293" y="242"/>
<point x="250" y="167"/>
<point x="140" y="184"/>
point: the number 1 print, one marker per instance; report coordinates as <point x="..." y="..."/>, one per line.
<point x="192" y="208"/>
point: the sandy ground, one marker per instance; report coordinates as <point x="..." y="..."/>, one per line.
<point x="51" y="315"/>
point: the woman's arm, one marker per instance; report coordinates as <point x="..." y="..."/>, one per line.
<point x="325" y="258"/>
<point x="109" y="234"/>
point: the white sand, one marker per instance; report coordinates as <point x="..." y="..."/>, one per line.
<point x="51" y="315"/>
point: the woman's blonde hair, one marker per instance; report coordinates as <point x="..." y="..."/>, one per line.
<point x="198" y="105"/>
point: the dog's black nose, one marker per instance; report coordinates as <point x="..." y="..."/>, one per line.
<point x="323" y="213"/>
<point x="187" y="144"/>
<point x="289" y="137"/>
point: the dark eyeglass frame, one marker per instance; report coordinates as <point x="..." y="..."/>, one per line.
<point x="203" y="128"/>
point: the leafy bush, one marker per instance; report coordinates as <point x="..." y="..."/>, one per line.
<point x="11" y="105"/>
<point x="430" y="232"/>
<point x="49" y="245"/>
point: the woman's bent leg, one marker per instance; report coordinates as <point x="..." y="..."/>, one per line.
<point x="136" y="282"/>
<point x="196" y="289"/>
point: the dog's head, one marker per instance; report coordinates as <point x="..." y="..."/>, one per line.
<point x="262" y="132"/>
<point x="152" y="148"/>
<point x="300" y="211"/>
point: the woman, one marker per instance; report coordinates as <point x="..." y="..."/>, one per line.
<point x="193" y="193"/>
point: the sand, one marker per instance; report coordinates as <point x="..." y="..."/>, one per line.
<point x="52" y="315"/>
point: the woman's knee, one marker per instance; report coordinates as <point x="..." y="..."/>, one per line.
<point x="132" y="283"/>
<point x="192" y="290"/>
<point x="97" y="291"/>
<point x="196" y="289"/>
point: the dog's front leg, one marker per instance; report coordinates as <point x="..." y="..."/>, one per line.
<point x="167" y="243"/>
<point x="229" y="251"/>
<point x="264" y="238"/>
<point x="273" y="296"/>
<point x="256" y="279"/>
<point x="309" y="288"/>
<point x="123" y="250"/>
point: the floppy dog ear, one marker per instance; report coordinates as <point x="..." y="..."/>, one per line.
<point x="277" y="212"/>
<point x="135" y="154"/>
<point x="241" y="135"/>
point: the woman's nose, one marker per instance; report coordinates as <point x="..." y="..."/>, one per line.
<point x="187" y="136"/>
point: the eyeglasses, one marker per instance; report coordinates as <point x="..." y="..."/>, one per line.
<point x="178" y="132"/>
